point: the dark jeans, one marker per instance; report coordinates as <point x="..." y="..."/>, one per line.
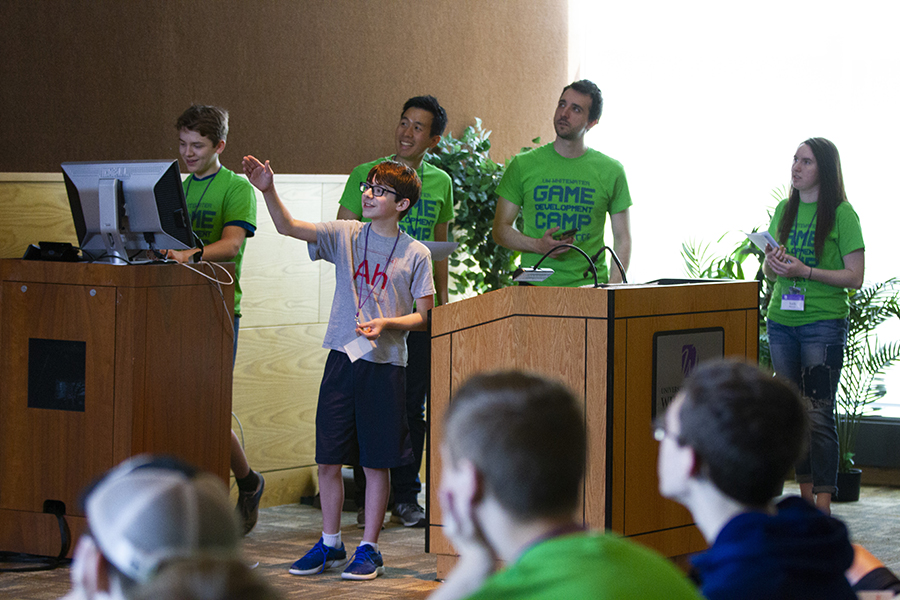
<point x="811" y="356"/>
<point x="405" y="483"/>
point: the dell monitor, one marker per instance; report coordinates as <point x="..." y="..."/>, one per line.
<point x="124" y="208"/>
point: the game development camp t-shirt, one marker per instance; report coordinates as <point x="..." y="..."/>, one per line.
<point x="569" y="193"/>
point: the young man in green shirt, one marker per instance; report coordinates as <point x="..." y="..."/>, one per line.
<point x="565" y="190"/>
<point x="223" y="216"/>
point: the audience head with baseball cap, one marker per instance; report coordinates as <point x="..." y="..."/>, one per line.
<point x="143" y="514"/>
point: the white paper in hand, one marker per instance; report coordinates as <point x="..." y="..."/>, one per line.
<point x="761" y="238"/>
<point x="359" y="348"/>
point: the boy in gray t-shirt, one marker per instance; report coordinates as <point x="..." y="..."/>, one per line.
<point x="384" y="288"/>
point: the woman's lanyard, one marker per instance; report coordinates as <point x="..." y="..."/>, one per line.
<point x="206" y="189"/>
<point x="361" y="301"/>
<point x="795" y="299"/>
<point x="795" y="281"/>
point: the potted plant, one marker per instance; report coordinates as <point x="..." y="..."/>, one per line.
<point x="479" y="264"/>
<point x="862" y="377"/>
<point x="701" y="262"/>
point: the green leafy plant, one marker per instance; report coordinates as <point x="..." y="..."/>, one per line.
<point x="701" y="261"/>
<point x="865" y="361"/>
<point x="479" y="265"/>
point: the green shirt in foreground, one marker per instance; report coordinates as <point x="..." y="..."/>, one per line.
<point x="588" y="565"/>
<point x="823" y="301"/>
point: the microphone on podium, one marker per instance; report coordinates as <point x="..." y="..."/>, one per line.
<point x="615" y="260"/>
<point x="536" y="274"/>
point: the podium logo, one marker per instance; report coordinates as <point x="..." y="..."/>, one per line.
<point x="689" y="359"/>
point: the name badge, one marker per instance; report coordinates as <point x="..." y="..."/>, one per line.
<point x="359" y="348"/>
<point x="792" y="302"/>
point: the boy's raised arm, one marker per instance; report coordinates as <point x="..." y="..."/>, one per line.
<point x="263" y="178"/>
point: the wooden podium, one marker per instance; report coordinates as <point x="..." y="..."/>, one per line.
<point x="624" y="350"/>
<point x="102" y="362"/>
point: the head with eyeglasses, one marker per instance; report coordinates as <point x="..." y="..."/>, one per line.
<point x="732" y="425"/>
<point x="393" y="179"/>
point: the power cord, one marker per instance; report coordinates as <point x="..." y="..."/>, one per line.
<point x="43" y="563"/>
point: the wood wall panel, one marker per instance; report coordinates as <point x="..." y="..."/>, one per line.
<point x="595" y="407"/>
<point x="276" y="385"/>
<point x="280" y="283"/>
<point x="105" y="80"/>
<point x="33" y="210"/>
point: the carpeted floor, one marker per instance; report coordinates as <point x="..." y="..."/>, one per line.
<point x="874" y="522"/>
<point x="284" y="533"/>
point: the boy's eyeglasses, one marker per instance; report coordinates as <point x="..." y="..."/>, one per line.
<point x="377" y="190"/>
<point x="661" y="432"/>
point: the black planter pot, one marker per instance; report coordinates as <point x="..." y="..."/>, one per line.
<point x="848" y="486"/>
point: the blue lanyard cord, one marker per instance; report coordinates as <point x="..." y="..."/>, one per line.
<point x="206" y="189"/>
<point x="808" y="229"/>
<point x="806" y="237"/>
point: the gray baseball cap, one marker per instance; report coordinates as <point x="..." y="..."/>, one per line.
<point x="149" y="510"/>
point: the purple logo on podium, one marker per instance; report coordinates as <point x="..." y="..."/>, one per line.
<point x="689" y="359"/>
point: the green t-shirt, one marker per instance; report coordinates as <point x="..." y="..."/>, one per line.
<point x="588" y="565"/>
<point x="569" y="193"/>
<point x="822" y="301"/>
<point x="434" y="206"/>
<point x="219" y="200"/>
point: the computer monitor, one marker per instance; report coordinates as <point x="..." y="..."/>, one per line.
<point x="122" y="208"/>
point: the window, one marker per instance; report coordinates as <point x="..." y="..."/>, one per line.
<point x="705" y="103"/>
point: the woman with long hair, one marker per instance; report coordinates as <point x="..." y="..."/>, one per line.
<point x="820" y="255"/>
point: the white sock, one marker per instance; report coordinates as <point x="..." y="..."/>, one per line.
<point x="333" y="540"/>
<point x="373" y="544"/>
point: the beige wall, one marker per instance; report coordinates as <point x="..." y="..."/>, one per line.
<point x="317" y="87"/>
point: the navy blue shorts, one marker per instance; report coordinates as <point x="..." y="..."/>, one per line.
<point x="361" y="415"/>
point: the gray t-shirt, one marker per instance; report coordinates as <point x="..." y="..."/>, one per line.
<point x="357" y="269"/>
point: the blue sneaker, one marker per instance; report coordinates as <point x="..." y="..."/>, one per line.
<point x="319" y="558"/>
<point x="367" y="564"/>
